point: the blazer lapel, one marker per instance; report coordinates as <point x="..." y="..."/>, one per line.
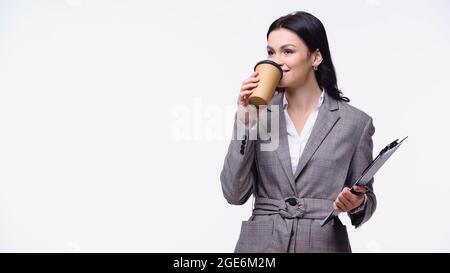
<point x="326" y="118"/>
<point x="283" y="145"/>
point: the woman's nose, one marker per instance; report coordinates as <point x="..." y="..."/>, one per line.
<point x="277" y="60"/>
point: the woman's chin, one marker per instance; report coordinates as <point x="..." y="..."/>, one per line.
<point x="283" y="84"/>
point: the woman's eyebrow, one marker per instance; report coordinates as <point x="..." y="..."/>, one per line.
<point x="281" y="47"/>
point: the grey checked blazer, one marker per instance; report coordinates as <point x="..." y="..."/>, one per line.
<point x="289" y="207"/>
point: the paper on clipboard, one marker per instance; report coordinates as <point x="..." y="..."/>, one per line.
<point x="370" y="171"/>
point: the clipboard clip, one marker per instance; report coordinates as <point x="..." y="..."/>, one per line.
<point x="391" y="145"/>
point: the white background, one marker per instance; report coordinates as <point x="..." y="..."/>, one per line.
<point x="115" y="117"/>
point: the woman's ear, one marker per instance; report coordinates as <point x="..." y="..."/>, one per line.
<point x="317" y="58"/>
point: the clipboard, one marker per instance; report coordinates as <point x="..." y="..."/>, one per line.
<point x="370" y="171"/>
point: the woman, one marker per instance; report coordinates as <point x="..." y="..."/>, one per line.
<point x="324" y="144"/>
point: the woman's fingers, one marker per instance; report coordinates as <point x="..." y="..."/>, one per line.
<point x="249" y="86"/>
<point x="359" y="189"/>
<point x="251" y="79"/>
<point x="245" y="94"/>
<point x="349" y="195"/>
<point x="346" y="202"/>
<point x="338" y="206"/>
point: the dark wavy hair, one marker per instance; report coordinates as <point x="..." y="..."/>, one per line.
<point x="312" y="32"/>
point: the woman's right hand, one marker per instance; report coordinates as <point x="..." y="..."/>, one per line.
<point x="248" y="85"/>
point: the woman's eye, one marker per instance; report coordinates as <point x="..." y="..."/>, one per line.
<point x="269" y="53"/>
<point x="288" y="52"/>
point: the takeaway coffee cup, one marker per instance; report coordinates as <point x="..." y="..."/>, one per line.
<point x="269" y="74"/>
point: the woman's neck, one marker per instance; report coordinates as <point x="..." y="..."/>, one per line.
<point x="303" y="98"/>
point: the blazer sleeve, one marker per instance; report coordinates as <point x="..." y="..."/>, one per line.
<point x="360" y="160"/>
<point x="239" y="169"/>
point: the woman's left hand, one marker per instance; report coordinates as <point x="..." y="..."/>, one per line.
<point x="347" y="201"/>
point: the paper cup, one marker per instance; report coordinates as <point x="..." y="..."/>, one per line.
<point x="269" y="74"/>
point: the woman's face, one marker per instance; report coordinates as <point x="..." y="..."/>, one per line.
<point x="287" y="49"/>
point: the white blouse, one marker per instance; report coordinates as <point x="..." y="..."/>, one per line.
<point x="298" y="142"/>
